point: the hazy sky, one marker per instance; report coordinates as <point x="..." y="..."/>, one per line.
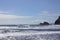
<point x="28" y="11"/>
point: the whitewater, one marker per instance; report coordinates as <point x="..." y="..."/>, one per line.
<point x="30" y="33"/>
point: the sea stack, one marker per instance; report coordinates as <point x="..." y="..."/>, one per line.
<point x="57" y="22"/>
<point x="44" y="23"/>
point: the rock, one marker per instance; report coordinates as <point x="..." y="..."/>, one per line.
<point x="45" y="23"/>
<point x="57" y="21"/>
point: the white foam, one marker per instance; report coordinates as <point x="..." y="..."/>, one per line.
<point x="40" y="27"/>
<point x="26" y="33"/>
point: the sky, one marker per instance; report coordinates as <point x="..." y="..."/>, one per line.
<point x="29" y="11"/>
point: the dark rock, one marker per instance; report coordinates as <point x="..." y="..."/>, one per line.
<point x="45" y="23"/>
<point x="58" y="21"/>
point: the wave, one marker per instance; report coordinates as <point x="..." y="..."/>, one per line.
<point x="51" y="32"/>
<point x="31" y="27"/>
<point x="31" y="36"/>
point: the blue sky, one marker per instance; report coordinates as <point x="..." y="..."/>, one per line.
<point x="28" y="11"/>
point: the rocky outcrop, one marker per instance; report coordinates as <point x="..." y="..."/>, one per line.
<point x="45" y="23"/>
<point x="57" y="22"/>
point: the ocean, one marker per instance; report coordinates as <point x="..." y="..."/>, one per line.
<point x="27" y="32"/>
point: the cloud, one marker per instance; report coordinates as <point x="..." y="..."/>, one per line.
<point x="46" y="16"/>
<point x="1" y="12"/>
<point x="15" y="21"/>
<point x="6" y="16"/>
<point x="46" y="13"/>
<point x="9" y="18"/>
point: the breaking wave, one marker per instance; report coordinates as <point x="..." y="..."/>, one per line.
<point x="51" y="32"/>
